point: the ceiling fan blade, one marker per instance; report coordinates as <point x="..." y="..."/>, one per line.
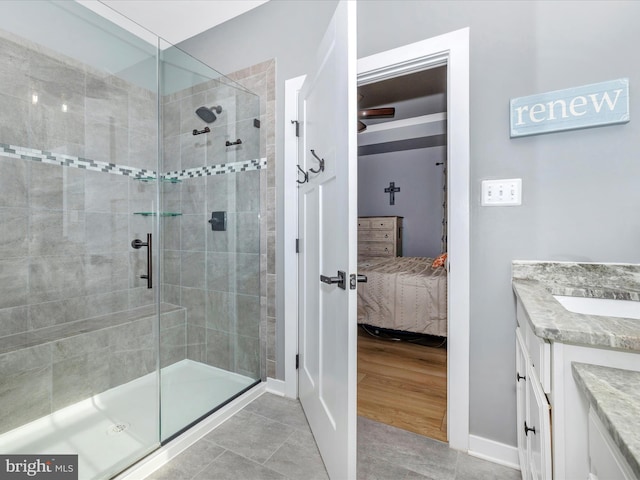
<point x="387" y="112"/>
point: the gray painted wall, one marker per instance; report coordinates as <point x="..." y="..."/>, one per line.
<point x="580" y="188"/>
<point x="419" y="200"/>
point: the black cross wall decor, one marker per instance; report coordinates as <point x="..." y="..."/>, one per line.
<point x="391" y="190"/>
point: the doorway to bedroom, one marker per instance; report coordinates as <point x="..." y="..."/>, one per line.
<point x="402" y="239"/>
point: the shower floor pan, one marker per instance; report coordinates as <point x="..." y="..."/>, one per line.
<point x="111" y="430"/>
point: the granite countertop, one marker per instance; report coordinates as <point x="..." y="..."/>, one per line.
<point x="614" y="394"/>
<point x="535" y="283"/>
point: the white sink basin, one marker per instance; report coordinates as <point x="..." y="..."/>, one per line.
<point x="600" y="306"/>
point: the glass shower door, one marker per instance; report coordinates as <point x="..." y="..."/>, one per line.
<point x="130" y="247"/>
<point x="78" y="158"/>
<point x="211" y="240"/>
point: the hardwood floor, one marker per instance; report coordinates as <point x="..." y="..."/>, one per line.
<point x="403" y="384"/>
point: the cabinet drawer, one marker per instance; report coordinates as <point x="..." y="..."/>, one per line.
<point x="540" y="353"/>
<point x="538" y="348"/>
<point x="376" y="249"/>
<point x="375" y="235"/>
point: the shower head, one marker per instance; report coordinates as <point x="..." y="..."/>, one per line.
<point x="206" y="113"/>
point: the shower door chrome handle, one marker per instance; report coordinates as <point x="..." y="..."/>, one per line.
<point x="137" y="243"/>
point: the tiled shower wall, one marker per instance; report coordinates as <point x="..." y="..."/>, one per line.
<point x="261" y="79"/>
<point x="65" y="253"/>
<point x="220" y="276"/>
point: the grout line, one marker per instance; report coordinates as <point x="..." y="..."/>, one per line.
<point x="282" y="445"/>
<point x="224" y="450"/>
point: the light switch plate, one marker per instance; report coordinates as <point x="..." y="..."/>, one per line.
<point x="500" y="193"/>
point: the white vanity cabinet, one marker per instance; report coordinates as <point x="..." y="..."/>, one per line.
<point x="549" y="400"/>
<point x="533" y="415"/>
<point x="605" y="460"/>
<point x="577" y="362"/>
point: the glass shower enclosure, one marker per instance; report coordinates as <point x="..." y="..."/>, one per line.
<point x="129" y="238"/>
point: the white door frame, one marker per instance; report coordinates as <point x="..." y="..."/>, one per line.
<point x="291" y="89"/>
<point x="451" y="49"/>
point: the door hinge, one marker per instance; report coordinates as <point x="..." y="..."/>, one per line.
<point x="297" y="245"/>
<point x="297" y="127"/>
<point x="297" y="361"/>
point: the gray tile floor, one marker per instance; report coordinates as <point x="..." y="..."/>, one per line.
<point x="270" y="439"/>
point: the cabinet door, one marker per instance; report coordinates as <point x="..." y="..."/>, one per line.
<point x="605" y="460"/>
<point x="521" y="407"/>
<point x="538" y="428"/>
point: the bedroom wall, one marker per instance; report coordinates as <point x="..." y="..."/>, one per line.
<point x="580" y="188"/>
<point x="419" y="200"/>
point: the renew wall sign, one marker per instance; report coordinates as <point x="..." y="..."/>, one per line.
<point x="594" y="105"/>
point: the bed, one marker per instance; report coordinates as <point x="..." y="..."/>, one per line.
<point x="403" y="293"/>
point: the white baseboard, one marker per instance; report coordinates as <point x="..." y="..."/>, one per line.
<point x="277" y="387"/>
<point x="494" y="451"/>
<point x="166" y="453"/>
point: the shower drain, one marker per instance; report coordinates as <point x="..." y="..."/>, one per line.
<point x="117" y="428"/>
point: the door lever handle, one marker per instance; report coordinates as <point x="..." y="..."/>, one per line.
<point x="340" y="280"/>
<point x="353" y="279"/>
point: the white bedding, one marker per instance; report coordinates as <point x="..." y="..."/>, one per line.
<point x="403" y="293"/>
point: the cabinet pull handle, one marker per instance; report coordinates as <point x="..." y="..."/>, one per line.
<point x="528" y="429"/>
<point x="520" y="377"/>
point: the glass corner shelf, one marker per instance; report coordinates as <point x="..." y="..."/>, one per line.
<point x="162" y="214"/>
<point x="162" y="179"/>
<point x="170" y="180"/>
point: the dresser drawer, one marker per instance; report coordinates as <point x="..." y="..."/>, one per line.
<point x="380" y="236"/>
<point x="375" y="235"/>
<point x="383" y="223"/>
<point x="364" y="223"/>
<point x="376" y="249"/>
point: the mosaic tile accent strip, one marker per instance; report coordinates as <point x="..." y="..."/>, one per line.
<point x="245" y="166"/>
<point x="64" y="160"/>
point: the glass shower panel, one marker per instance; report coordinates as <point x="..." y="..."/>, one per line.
<point x="78" y="156"/>
<point x="211" y="250"/>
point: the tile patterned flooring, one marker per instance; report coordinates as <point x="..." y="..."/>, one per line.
<point x="270" y="439"/>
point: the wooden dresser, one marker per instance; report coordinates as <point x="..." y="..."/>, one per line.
<point x="380" y="236"/>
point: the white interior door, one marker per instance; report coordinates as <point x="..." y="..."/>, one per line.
<point x="327" y="218"/>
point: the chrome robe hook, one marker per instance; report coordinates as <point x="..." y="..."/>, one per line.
<point x="321" y="160"/>
<point x="306" y="175"/>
